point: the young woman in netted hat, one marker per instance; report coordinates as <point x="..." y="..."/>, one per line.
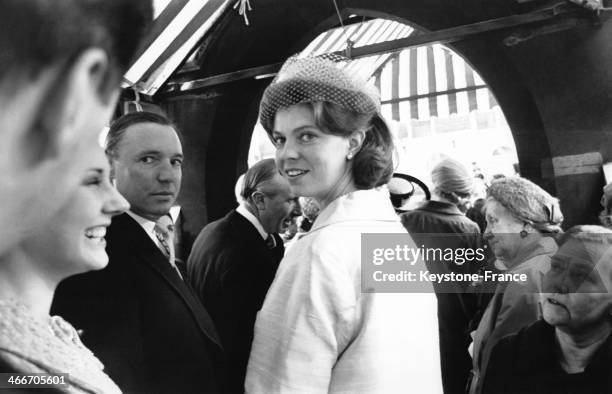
<point x="316" y="331"/>
<point x="522" y="221"/>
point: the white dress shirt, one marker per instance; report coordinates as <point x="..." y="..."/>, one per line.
<point x="147" y="225"/>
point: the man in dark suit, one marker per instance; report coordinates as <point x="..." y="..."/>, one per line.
<point x="234" y="260"/>
<point x="138" y="315"/>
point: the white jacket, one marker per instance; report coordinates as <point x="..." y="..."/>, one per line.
<point x="317" y="332"/>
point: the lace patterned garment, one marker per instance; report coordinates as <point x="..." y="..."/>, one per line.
<point x="31" y="346"/>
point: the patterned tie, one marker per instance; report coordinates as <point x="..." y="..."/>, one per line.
<point x="164" y="231"/>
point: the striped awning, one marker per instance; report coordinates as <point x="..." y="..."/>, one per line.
<point x="178" y="27"/>
<point x="361" y="34"/>
<point x="415" y="83"/>
<point x="430" y="81"/>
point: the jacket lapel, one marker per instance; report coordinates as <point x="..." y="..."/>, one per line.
<point x="251" y="237"/>
<point x="149" y="254"/>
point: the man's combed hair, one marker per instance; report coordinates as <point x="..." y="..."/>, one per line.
<point x="120" y="125"/>
<point x="38" y="34"/>
<point x="260" y="172"/>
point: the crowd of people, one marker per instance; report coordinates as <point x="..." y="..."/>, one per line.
<point x="91" y="285"/>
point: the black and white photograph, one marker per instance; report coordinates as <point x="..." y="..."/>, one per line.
<point x="306" y="196"/>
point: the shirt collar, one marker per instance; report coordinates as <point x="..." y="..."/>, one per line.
<point x="242" y="209"/>
<point x="146" y="224"/>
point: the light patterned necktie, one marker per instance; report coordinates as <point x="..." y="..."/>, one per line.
<point x="164" y="231"/>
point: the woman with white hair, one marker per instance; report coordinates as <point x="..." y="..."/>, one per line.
<point x="317" y="331"/>
<point x="522" y="221"/>
<point x="570" y="349"/>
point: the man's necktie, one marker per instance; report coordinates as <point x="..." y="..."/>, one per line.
<point x="164" y="231"/>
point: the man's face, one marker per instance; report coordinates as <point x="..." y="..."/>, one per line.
<point x="278" y="204"/>
<point x="148" y="168"/>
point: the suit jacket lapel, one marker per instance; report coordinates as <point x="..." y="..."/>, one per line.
<point x="252" y="237"/>
<point x="149" y="254"/>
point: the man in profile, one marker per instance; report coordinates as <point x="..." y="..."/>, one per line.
<point x="60" y="66"/>
<point x="234" y="260"/>
<point x="138" y="315"/>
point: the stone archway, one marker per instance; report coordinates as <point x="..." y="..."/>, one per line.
<point x="553" y="117"/>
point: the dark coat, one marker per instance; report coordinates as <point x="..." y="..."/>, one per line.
<point x="141" y="320"/>
<point x="231" y="269"/>
<point x="449" y="228"/>
<point x="526" y="363"/>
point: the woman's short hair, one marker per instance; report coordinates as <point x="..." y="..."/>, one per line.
<point x="342" y="104"/>
<point x="373" y="163"/>
<point x="452" y="180"/>
<point x="528" y="203"/>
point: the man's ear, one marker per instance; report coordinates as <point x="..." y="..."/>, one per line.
<point x="356" y="141"/>
<point x="259" y="200"/>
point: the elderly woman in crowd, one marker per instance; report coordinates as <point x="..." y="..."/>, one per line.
<point x="522" y="220"/>
<point x="317" y="332"/>
<point x="72" y="242"/>
<point x="570" y="349"/>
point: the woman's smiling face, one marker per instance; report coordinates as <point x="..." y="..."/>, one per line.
<point x="73" y="240"/>
<point x="314" y="162"/>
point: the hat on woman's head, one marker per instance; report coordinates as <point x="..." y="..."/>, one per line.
<point x="450" y="176"/>
<point x="528" y="202"/>
<point x="314" y="79"/>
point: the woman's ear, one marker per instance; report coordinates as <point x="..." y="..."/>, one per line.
<point x="529" y="228"/>
<point x="67" y="107"/>
<point x="85" y="94"/>
<point x="355" y="142"/>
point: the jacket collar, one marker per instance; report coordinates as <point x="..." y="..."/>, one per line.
<point x="543" y="246"/>
<point x="143" y="247"/>
<point x="242" y="210"/>
<point x="360" y="205"/>
<point x="440" y="207"/>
